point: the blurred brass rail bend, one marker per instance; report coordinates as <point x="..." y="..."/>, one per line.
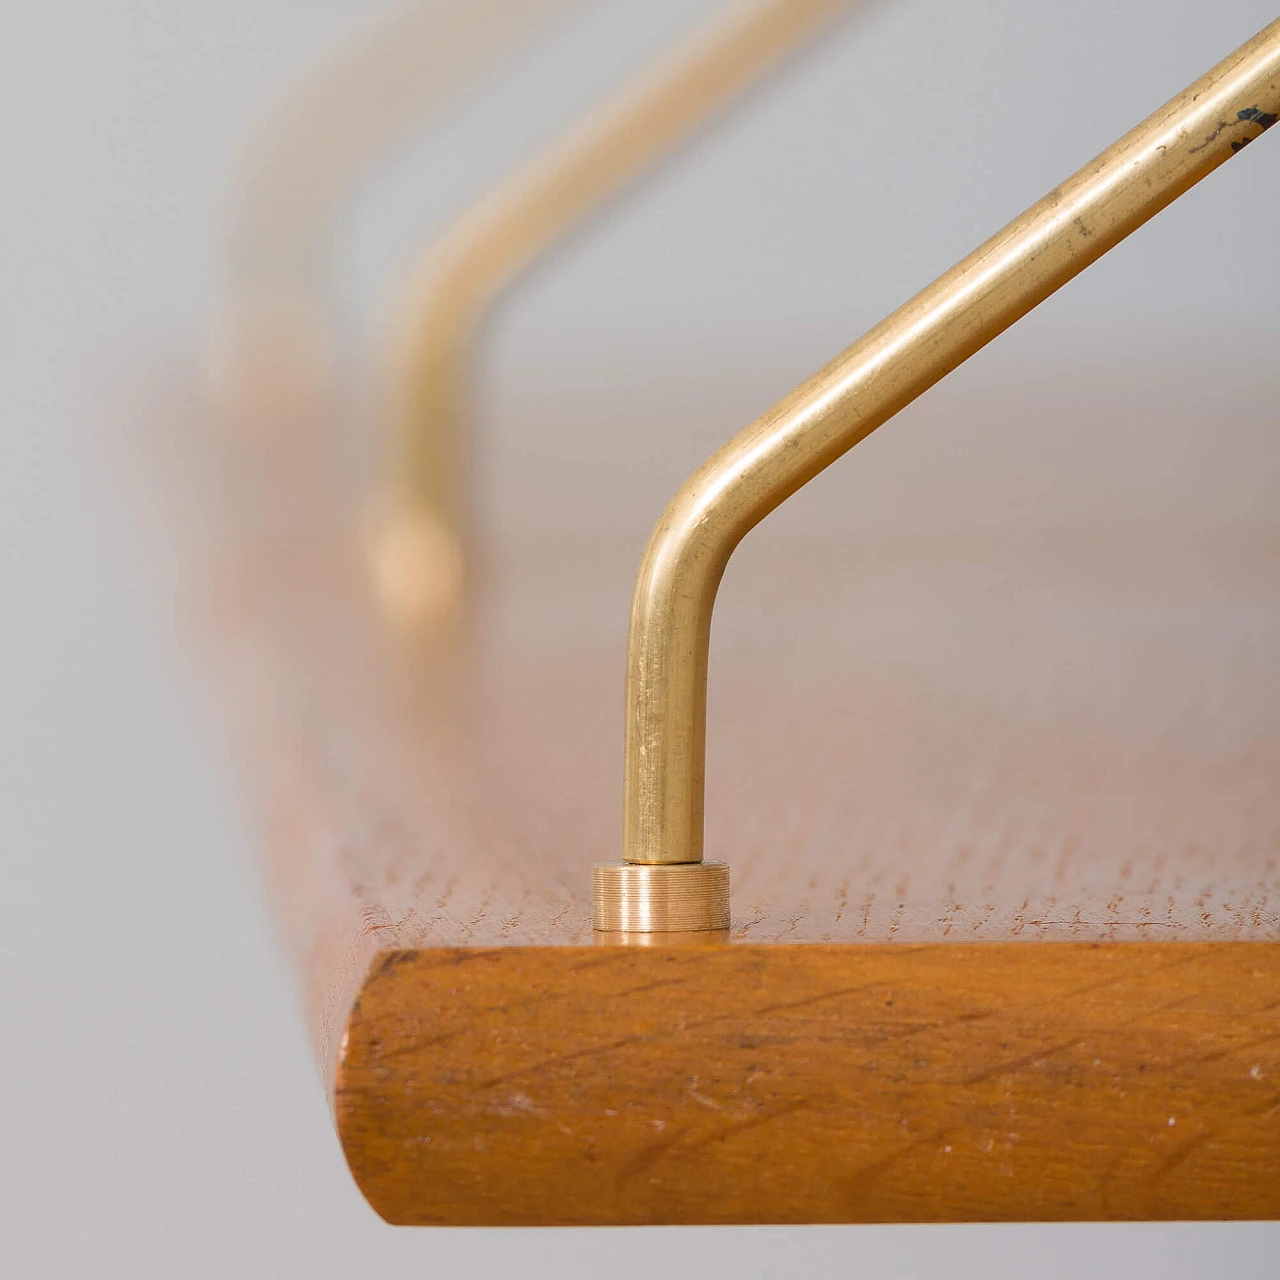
<point x="273" y="345"/>
<point x="663" y="883"/>
<point x="417" y="550"/>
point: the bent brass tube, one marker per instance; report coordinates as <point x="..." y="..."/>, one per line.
<point x="1073" y="226"/>
<point x="273" y="345"/>
<point x="416" y="550"/>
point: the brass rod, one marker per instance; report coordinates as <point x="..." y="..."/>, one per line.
<point x="895" y="362"/>
<point x="416" y="554"/>
<point x="273" y="345"/>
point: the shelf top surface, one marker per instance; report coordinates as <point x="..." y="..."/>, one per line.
<point x="978" y="737"/>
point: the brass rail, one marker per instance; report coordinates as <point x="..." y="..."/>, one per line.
<point x="663" y="883"/>
<point x="417" y="548"/>
<point x="273" y="342"/>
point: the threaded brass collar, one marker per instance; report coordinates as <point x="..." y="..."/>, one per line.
<point x="671" y="897"/>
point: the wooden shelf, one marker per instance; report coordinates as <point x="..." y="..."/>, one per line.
<point x="1001" y="809"/>
<point x="1005" y="838"/>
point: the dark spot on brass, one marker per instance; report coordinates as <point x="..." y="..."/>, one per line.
<point x="1250" y="115"/>
<point x="1265" y="118"/>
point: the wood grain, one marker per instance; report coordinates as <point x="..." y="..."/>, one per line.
<point x="816" y="1083"/>
<point x="938" y="742"/>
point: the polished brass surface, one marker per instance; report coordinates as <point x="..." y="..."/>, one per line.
<point x="684" y="898"/>
<point x="491" y="243"/>
<point x="861" y="389"/>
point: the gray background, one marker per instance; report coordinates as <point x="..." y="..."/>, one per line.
<point x="162" y="1116"/>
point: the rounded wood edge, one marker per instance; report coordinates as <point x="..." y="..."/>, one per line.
<point x="785" y="1084"/>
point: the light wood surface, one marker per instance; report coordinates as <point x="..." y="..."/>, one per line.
<point x="1052" y="760"/>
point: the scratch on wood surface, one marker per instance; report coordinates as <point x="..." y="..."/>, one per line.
<point x="860" y="1184"/>
<point x="646" y="1157"/>
<point x="558" y="1060"/>
<point x="735" y="1128"/>
<point x="1180" y="1155"/>
<point x="1014" y="1065"/>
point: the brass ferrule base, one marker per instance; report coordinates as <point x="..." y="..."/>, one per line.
<point x="665" y="897"/>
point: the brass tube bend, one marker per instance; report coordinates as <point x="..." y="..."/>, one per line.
<point x="904" y="355"/>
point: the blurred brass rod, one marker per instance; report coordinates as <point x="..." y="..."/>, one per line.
<point x="904" y="355"/>
<point x="273" y="345"/>
<point x="418" y="543"/>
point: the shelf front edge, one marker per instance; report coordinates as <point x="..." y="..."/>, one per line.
<point x="815" y="1083"/>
